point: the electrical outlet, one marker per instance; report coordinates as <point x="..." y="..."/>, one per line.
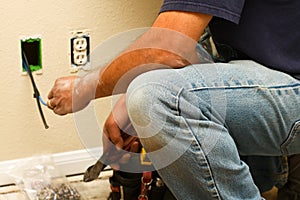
<point x="80" y="43"/>
<point x="80" y="58"/>
<point x="80" y="50"/>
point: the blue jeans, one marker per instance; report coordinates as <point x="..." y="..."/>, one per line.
<point x="195" y="123"/>
<point x="270" y="171"/>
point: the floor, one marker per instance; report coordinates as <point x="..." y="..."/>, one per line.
<point x="95" y="190"/>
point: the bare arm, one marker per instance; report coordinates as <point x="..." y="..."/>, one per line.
<point x="170" y="42"/>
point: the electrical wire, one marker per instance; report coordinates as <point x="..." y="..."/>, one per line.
<point x="42" y="101"/>
<point x="36" y="93"/>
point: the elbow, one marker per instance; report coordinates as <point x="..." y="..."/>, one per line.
<point x="178" y="61"/>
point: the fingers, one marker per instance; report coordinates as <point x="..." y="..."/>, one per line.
<point x="117" y="144"/>
<point x="120" y="114"/>
<point x="54" y="104"/>
<point x="49" y="105"/>
<point x="134" y="148"/>
<point x="52" y="100"/>
<point x="71" y="94"/>
<point x="113" y="132"/>
<point x="119" y="137"/>
<point x="121" y="157"/>
<point x="50" y="95"/>
<point x="60" y="96"/>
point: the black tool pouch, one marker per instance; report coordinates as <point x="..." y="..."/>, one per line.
<point x="130" y="186"/>
<point x="124" y="185"/>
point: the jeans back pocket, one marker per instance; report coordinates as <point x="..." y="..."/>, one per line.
<point x="292" y="144"/>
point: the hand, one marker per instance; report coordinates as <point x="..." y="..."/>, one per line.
<point x="119" y="135"/>
<point x="69" y="94"/>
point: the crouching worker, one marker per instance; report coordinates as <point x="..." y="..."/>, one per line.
<point x="195" y="119"/>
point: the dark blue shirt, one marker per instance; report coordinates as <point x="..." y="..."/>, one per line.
<point x="267" y="31"/>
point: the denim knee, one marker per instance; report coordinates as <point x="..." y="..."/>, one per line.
<point x="140" y="93"/>
<point x="142" y="96"/>
<point x="150" y="100"/>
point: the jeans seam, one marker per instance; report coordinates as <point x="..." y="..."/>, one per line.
<point x="290" y="138"/>
<point x="215" y="193"/>
<point x="177" y="103"/>
<point x="243" y="87"/>
<point x="222" y="88"/>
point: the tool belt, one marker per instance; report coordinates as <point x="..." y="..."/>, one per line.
<point x="141" y="186"/>
<point x="146" y="185"/>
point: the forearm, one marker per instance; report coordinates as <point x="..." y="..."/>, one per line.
<point x="116" y="77"/>
<point x="170" y="43"/>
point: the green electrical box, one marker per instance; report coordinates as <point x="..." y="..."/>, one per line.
<point x="32" y="48"/>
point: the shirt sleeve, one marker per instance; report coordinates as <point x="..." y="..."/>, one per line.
<point x="227" y="9"/>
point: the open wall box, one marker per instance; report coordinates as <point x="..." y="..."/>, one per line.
<point x="32" y="47"/>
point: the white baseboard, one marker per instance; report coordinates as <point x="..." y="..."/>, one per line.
<point x="68" y="163"/>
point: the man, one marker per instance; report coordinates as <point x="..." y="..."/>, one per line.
<point x="201" y="118"/>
